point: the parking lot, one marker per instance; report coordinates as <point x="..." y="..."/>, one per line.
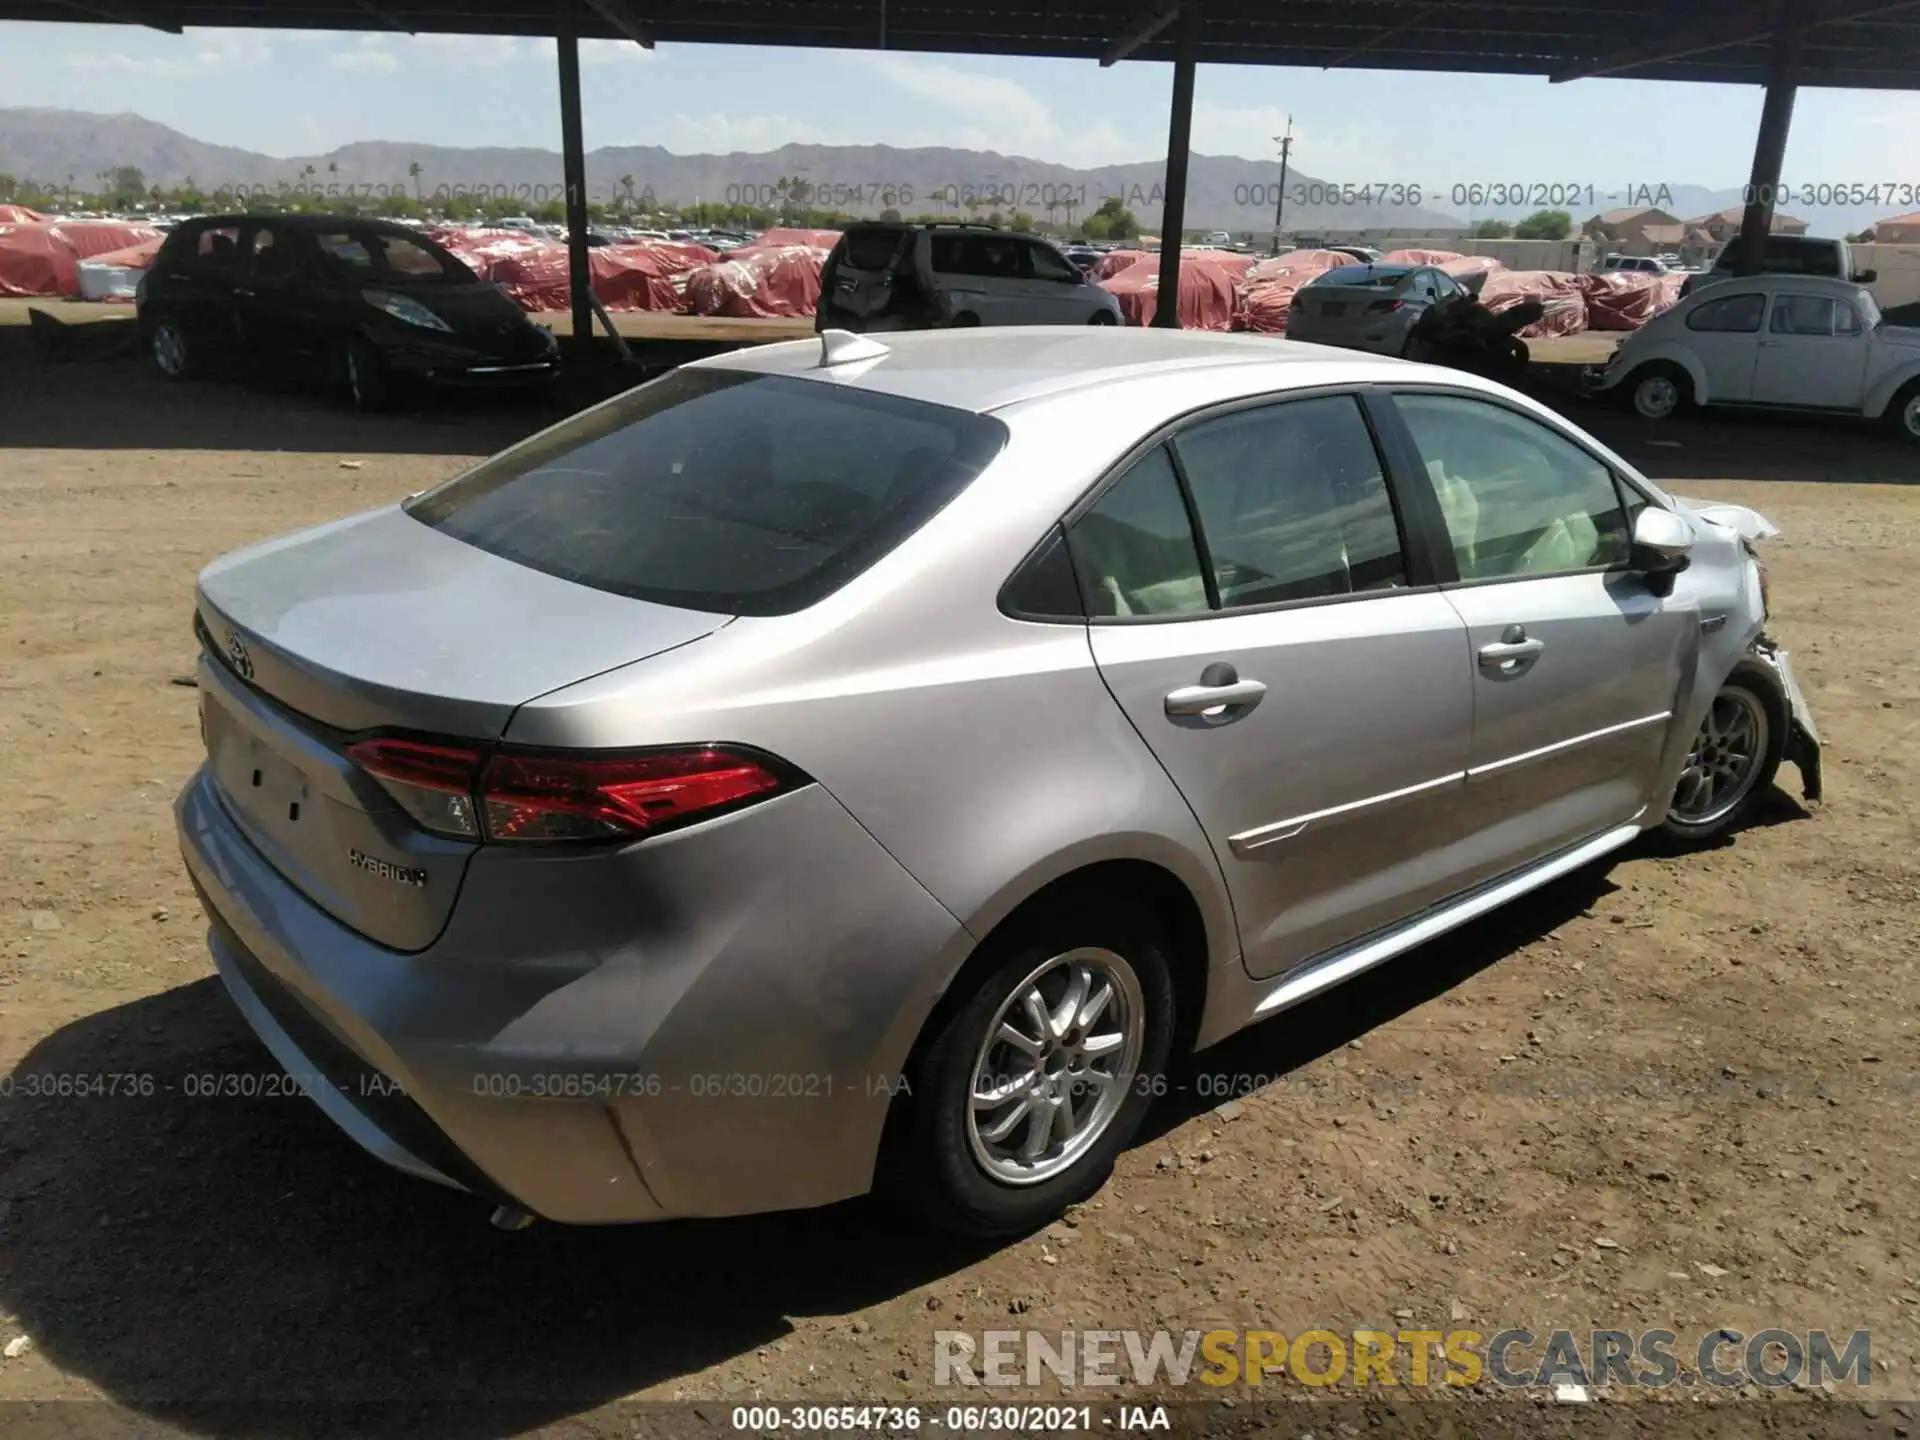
<point x="1674" y="1091"/>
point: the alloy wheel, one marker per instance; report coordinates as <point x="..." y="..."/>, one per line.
<point x="169" y="349"/>
<point x="1725" y="759"/>
<point x="1910" y="416"/>
<point x="1058" y="1060"/>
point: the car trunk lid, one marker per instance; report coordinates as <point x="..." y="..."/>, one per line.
<point x="373" y="624"/>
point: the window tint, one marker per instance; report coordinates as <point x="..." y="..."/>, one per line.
<point x="719" y="490"/>
<point x="1362" y="275"/>
<point x="968" y="254"/>
<point x="1736" y="314"/>
<point x="373" y="254"/>
<point x="1134" y="551"/>
<point x="872" y="249"/>
<point x="1049" y="266"/>
<point x="1803" y="315"/>
<point x="220" y="245"/>
<point x="1292" y="502"/>
<point x="273" y="253"/>
<point x="1518" y="498"/>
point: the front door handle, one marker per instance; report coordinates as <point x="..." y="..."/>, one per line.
<point x="1511" y="651"/>
<point x="1220" y="690"/>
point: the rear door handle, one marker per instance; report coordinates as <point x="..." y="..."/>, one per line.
<point x="1220" y="689"/>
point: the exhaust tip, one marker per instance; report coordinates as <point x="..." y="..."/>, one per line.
<point x="510" y="1218"/>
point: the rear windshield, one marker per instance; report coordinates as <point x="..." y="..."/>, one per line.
<point x="719" y="490"/>
<point x="1788" y="255"/>
<point x="1368" y="277"/>
<point x="374" y="255"/>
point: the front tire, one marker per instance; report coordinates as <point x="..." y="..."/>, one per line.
<point x="1732" y="760"/>
<point x="1037" y="1077"/>
<point x="1658" y="392"/>
<point x="1102" y="317"/>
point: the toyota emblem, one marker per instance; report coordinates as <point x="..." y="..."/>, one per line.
<point x="237" y="653"/>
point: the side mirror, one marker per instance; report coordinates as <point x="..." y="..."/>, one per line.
<point x="1661" y="542"/>
<point x="1865" y="277"/>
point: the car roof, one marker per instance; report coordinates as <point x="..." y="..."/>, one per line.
<point x="1772" y="280"/>
<point x="988" y="368"/>
<point x="305" y="221"/>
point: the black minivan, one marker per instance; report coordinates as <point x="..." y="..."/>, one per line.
<point x="367" y="306"/>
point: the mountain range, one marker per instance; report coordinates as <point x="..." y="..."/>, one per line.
<point x="47" y="146"/>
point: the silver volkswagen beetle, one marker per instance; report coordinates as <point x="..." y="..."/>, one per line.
<point x="841" y="765"/>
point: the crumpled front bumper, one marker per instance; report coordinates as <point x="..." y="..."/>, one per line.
<point x="1803" y="737"/>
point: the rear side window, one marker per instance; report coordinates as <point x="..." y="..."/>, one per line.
<point x="719" y="490"/>
<point x="871" y="249"/>
<point x="1292" y="502"/>
<point x="1803" y="315"/>
<point x="1134" y="552"/>
<point x="1737" y="314"/>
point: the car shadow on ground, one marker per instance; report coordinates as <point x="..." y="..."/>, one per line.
<point x="210" y="1259"/>
<point x="98" y="395"/>
<point x="1735" y="445"/>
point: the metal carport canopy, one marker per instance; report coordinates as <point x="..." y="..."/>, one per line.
<point x="1781" y="44"/>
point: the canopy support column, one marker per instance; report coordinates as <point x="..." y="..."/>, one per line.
<point x="1173" y="218"/>
<point x="574" y="168"/>
<point x="1770" y="148"/>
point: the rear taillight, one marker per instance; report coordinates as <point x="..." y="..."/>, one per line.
<point x="1382" y="307"/>
<point x="433" y="783"/>
<point x="562" y="795"/>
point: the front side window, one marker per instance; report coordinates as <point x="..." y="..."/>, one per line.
<point x="1292" y="502"/>
<point x="376" y="255"/>
<point x="719" y="490"/>
<point x="1134" y="551"/>
<point x="1734" y="315"/>
<point x="1518" y="498"/>
<point x="1807" y="315"/>
<point x="1049" y="266"/>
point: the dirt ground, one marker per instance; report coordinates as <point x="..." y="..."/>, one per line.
<point x="1666" y="1092"/>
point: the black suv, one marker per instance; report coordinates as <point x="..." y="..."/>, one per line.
<point x="365" y="305"/>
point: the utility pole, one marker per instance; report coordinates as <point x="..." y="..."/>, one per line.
<point x="1280" y="200"/>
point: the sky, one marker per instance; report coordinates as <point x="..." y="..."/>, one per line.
<point x="305" y="92"/>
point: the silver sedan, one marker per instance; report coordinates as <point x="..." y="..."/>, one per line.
<point x="1368" y="307"/>
<point x="841" y="766"/>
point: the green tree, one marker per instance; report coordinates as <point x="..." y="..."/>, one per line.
<point x="1120" y="221"/>
<point x="9" y="186"/>
<point x="1097" y="227"/>
<point x="890" y="214"/>
<point x="1545" y="225"/>
<point x="413" y="170"/>
<point x="1022" y="222"/>
<point x="550" y="212"/>
<point x="123" y="185"/>
<point x="399" y="204"/>
<point x="1490" y="230"/>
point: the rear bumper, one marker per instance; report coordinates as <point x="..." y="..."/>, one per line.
<point x="707" y="1024"/>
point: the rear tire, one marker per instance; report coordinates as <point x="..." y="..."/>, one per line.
<point x="1732" y="760"/>
<point x="1101" y="317"/>
<point x="977" y="1170"/>
<point x="1658" y="391"/>
<point x="169" y="350"/>
<point x="965" y="320"/>
<point x="1903" y="413"/>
